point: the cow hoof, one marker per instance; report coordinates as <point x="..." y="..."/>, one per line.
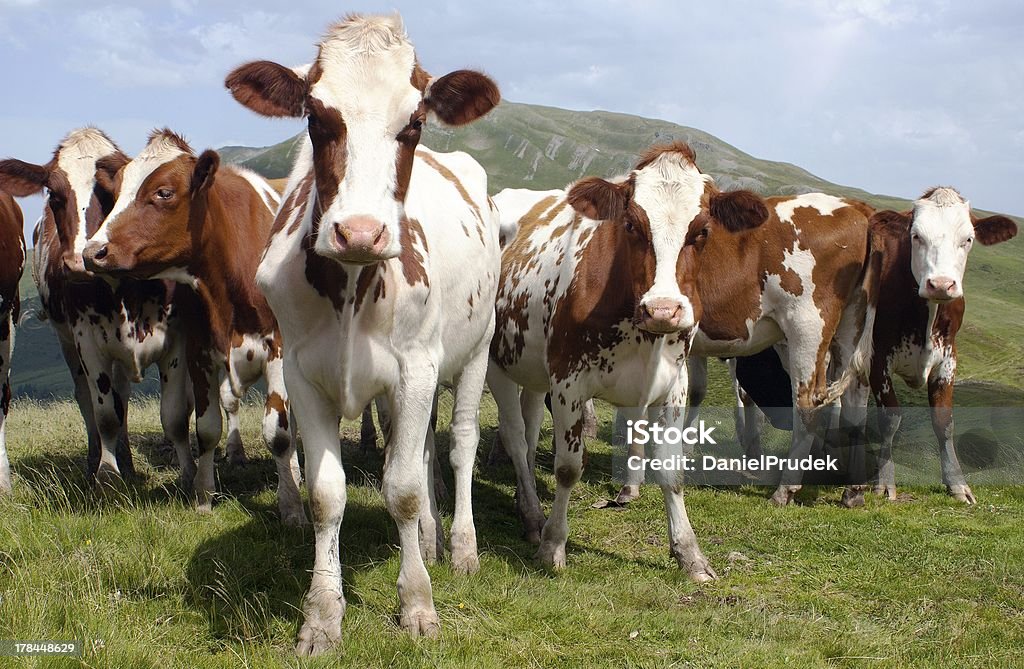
<point x="465" y="562"/>
<point x="962" y="493"/>
<point x="316" y="638"/>
<point x="627" y="494"/>
<point x="204" y="508"/>
<point x="887" y="491"/>
<point x="784" y="495"/>
<point x="107" y="476"/>
<point x="695" y="564"/>
<point x="321" y="628"/>
<point x="853" y="497"/>
<point x="551" y="556"/>
<point x="421" y="623"/>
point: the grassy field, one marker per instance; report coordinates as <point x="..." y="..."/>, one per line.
<point x="146" y="582"/>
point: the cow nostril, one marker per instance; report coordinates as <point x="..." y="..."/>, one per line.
<point x="101" y="253"/>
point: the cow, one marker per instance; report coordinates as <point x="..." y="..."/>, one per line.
<point x="183" y="217"/>
<point x="598" y="298"/>
<point x="919" y="309"/>
<point x="801" y="283"/>
<point x="382" y="270"/>
<point x="12" y="262"/>
<point x="109" y="334"/>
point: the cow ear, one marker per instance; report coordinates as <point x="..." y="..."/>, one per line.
<point x="268" y="89"/>
<point x="204" y="171"/>
<point x="890" y="224"/>
<point x="22" y="179"/>
<point x="738" y="210"/>
<point x="461" y="96"/>
<point x="600" y="200"/>
<point x="107" y="168"/>
<point x="994" y="229"/>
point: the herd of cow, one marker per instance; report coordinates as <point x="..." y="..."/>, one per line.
<point x="385" y="269"/>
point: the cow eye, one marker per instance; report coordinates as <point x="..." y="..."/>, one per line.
<point x="630" y="228"/>
<point x="164" y="194"/>
<point x="417" y="124"/>
<point x="916" y="237"/>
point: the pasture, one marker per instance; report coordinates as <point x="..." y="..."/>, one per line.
<point x="145" y="581"/>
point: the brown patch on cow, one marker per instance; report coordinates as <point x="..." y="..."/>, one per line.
<point x="419" y="77"/>
<point x="294" y="206"/>
<point x="412" y="259"/>
<point x="406" y="507"/>
<point x="366" y="276"/>
<point x="328" y="134"/>
<point x="655" y="152"/>
<point x="567" y="476"/>
<point x="11" y="259"/>
<point x="276" y="403"/>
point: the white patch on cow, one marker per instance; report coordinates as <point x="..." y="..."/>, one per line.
<point x="266" y="192"/>
<point x="178" y="275"/>
<point x="669" y="190"/>
<point x="514" y="203"/>
<point x="77" y="156"/>
<point x="941" y="238"/>
<point x="161" y="149"/>
<point x="824" y="204"/>
<point x="367" y="64"/>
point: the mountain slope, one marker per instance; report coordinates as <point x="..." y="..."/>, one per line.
<point x="526" y="146"/>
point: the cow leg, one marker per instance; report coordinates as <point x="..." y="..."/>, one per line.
<point x="108" y="416"/>
<point x="853" y="418"/>
<point x="84" y="400"/>
<point x="431" y="531"/>
<point x="383" y="417"/>
<point x="468" y="389"/>
<point x="121" y="395"/>
<point x="808" y="376"/>
<point x="567" y="419"/>
<point x="634" y="477"/>
<point x="532" y="405"/>
<point x="323" y="606"/>
<point x="697" y="390"/>
<point x="683" y="544"/>
<point x="403" y="491"/>
<point x="888" y="412"/>
<point x="6" y="347"/>
<point x="589" y="420"/>
<point x="278" y="438"/>
<point x="940" y="397"/>
<point x="437" y="486"/>
<point x="175" y="414"/>
<point x="367" y="430"/>
<point x="206" y="380"/>
<point x="512" y="429"/>
<point x="234" y="450"/>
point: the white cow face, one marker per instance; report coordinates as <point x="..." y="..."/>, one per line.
<point x="366" y="100"/>
<point x="942" y="233"/>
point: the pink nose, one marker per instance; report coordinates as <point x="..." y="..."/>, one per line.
<point x="361" y="238"/>
<point x="662" y="315"/>
<point x="940" y="288"/>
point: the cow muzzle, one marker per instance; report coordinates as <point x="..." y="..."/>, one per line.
<point x="940" y="289"/>
<point x="665" y="316"/>
<point x="96" y="257"/>
<point x="74" y="269"/>
<point x="361" y="240"/>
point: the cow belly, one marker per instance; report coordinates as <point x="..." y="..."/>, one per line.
<point x="762" y="334"/>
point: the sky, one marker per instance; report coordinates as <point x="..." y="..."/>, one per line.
<point x="889" y="96"/>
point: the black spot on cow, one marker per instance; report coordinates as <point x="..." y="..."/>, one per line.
<point x="119" y="408"/>
<point x="103" y="383"/>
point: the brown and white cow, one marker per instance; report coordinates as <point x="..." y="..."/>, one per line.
<point x="12" y="262"/>
<point x="920" y="308"/>
<point x="382" y="270"/>
<point x="109" y="334"/>
<point x="182" y="217"/>
<point x="801" y="281"/>
<point x="598" y="298"/>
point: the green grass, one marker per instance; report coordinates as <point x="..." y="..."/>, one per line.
<point x="922" y="582"/>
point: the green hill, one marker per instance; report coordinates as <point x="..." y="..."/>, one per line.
<point x="528" y="146"/>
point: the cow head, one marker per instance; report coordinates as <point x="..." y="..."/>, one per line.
<point x="663" y="213"/>
<point x="366" y="100"/>
<point x="942" y="231"/>
<point x="76" y="200"/>
<point x="161" y="199"/>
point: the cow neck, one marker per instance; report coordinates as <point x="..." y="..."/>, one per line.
<point x="221" y="266"/>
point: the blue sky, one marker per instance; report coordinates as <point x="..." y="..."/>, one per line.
<point x="892" y="97"/>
